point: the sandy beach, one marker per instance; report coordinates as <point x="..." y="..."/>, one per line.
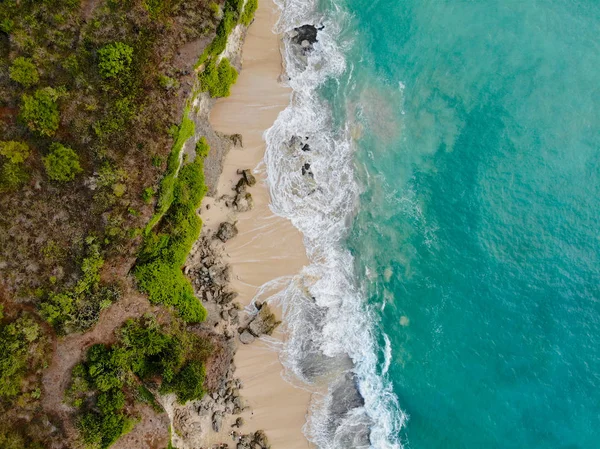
<point x="267" y="246"/>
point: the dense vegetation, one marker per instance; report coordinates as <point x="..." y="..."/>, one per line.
<point x="166" y="246"/>
<point x="106" y="385"/>
<point x="93" y="173"/>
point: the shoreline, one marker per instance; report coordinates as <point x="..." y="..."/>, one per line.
<point x="268" y="246"/>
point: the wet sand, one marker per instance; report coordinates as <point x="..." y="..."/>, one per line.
<point x="267" y="246"/>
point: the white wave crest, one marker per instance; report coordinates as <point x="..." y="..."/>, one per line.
<point x="310" y="175"/>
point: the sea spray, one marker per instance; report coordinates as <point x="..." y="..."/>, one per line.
<point x="309" y="163"/>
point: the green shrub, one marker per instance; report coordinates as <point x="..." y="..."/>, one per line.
<point x="218" y="79"/>
<point x="62" y="164"/>
<point x="40" y="111"/>
<point x="249" y="10"/>
<point x="114" y="59"/>
<point x="218" y="44"/>
<point x="12" y="176"/>
<point x="102" y="430"/>
<point x="15" y="152"/>
<point x="79" y="307"/>
<point x="188" y="384"/>
<point x="24" y="72"/>
<point x="148" y="194"/>
<point x="202" y="148"/>
<point x="110" y="375"/>
<point x="15" y="338"/>
<point x="158" y="271"/>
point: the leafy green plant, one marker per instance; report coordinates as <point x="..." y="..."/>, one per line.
<point x="249" y="9"/>
<point x="15" y="338"/>
<point x="40" y="111"/>
<point x="62" y="164"/>
<point x="114" y="59"/>
<point x="188" y="384"/>
<point x="158" y="271"/>
<point x="112" y="376"/>
<point x="15" y="152"/>
<point x="24" y="72"/>
<point x="218" y="79"/>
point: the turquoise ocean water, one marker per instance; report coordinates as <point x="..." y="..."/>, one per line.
<point x="477" y="131"/>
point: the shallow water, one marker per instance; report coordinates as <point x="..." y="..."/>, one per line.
<point x="450" y="215"/>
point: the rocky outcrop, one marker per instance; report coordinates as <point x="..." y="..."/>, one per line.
<point x="263" y="323"/>
<point x="226" y="231"/>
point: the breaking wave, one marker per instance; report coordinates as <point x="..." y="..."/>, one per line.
<point x="332" y="346"/>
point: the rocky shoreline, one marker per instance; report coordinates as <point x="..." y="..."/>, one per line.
<point x="218" y="412"/>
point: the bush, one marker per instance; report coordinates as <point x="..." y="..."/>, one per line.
<point x="16" y="152"/>
<point x="12" y="176"/>
<point x="158" y="271"/>
<point x="62" y="164"/>
<point x="102" y="430"/>
<point x="217" y="80"/>
<point x="40" y="111"/>
<point x="15" y="338"/>
<point x="114" y="59"/>
<point x="145" y="350"/>
<point x="188" y="384"/>
<point x="24" y="72"/>
<point x="249" y="10"/>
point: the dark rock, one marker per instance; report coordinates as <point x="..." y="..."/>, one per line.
<point x="306" y="33"/>
<point x="226" y="231"/>
<point x="305" y="147"/>
<point x="236" y="139"/>
<point x="228" y="297"/>
<point x="249" y="177"/>
<point x="239" y="422"/>
<point x="241" y="185"/>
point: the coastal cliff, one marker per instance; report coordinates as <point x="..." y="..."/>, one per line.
<point x="90" y="360"/>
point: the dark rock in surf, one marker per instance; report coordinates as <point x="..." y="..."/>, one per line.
<point x="306" y="33"/>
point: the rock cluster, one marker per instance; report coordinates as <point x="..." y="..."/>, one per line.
<point x="224" y="401"/>
<point x="256" y="440"/>
<point x="209" y="274"/>
<point x="264" y="322"/>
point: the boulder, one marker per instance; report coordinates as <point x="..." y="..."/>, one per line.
<point x="306" y="33"/>
<point x="246" y="337"/>
<point x="239" y="422"/>
<point x="243" y="202"/>
<point x="226" y="231"/>
<point x="264" y="322"/>
<point x="249" y="177"/>
<point x="217" y="421"/>
<point x="226" y="298"/>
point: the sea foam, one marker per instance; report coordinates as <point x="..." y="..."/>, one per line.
<point x="309" y="165"/>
